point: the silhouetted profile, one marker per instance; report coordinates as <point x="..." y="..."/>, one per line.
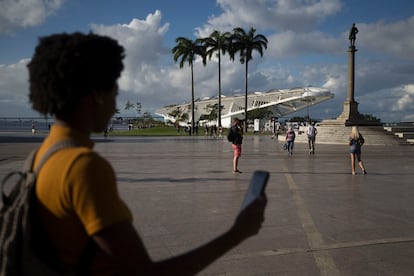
<point x="352" y="34"/>
<point x="73" y="77"/>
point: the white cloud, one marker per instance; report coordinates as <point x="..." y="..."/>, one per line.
<point x="288" y="25"/>
<point x="290" y="44"/>
<point x="395" y="38"/>
<point x="145" y="48"/>
<point x="299" y="15"/>
<point x="406" y="102"/>
<point x="392" y="104"/>
<point x="14" y="100"/>
<point x="13" y="80"/>
<point x="23" y="14"/>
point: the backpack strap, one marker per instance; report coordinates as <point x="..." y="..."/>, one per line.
<point x="53" y="149"/>
<point x="7" y="198"/>
<point x="84" y="263"/>
<point x="28" y="168"/>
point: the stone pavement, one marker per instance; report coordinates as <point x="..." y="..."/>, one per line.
<point x="320" y="219"/>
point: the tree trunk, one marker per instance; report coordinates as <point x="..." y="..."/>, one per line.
<point x="219" y="92"/>
<point x="192" y="100"/>
<point x="245" y="96"/>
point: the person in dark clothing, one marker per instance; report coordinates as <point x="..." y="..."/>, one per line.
<point x="236" y="145"/>
<point x="355" y="143"/>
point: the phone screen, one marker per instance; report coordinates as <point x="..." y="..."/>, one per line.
<point x="256" y="187"/>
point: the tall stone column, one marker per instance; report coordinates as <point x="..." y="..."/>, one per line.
<point x="351" y="74"/>
<point x="350" y="113"/>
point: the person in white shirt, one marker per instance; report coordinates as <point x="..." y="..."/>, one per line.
<point x="312" y="132"/>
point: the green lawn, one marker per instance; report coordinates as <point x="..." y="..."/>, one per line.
<point x="153" y="131"/>
<point x="164" y="131"/>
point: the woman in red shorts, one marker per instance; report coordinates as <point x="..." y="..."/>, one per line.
<point x="236" y="145"/>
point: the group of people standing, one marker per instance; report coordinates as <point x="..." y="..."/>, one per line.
<point x="356" y="141"/>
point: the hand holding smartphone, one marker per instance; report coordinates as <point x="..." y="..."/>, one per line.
<point x="256" y="187"/>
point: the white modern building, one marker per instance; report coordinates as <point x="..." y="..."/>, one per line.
<point x="280" y="101"/>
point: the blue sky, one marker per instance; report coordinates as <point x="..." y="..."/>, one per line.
<point x="307" y="46"/>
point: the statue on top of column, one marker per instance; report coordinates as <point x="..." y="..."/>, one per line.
<point x="352" y="35"/>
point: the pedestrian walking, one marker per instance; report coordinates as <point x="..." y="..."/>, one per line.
<point x="355" y="143"/>
<point x="33" y="128"/>
<point x="311" y="132"/>
<point x="290" y="140"/>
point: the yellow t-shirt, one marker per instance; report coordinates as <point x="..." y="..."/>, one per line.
<point x="78" y="196"/>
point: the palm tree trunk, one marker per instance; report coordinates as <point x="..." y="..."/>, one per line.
<point x="219" y="92"/>
<point x="192" y="100"/>
<point x="245" y="96"/>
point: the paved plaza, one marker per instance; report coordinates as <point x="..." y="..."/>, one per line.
<point x="320" y="219"/>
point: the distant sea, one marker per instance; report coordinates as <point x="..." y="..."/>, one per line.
<point x="24" y="126"/>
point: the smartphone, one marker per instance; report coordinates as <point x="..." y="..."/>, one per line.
<point x="256" y="187"/>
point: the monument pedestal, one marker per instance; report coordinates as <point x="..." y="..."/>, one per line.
<point x="350" y="116"/>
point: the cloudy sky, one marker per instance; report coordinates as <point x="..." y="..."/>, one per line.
<point x="308" y="43"/>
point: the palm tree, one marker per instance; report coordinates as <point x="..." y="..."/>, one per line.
<point x="129" y="105"/>
<point x="218" y="42"/>
<point x="178" y="115"/>
<point x="186" y="50"/>
<point x="246" y="43"/>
